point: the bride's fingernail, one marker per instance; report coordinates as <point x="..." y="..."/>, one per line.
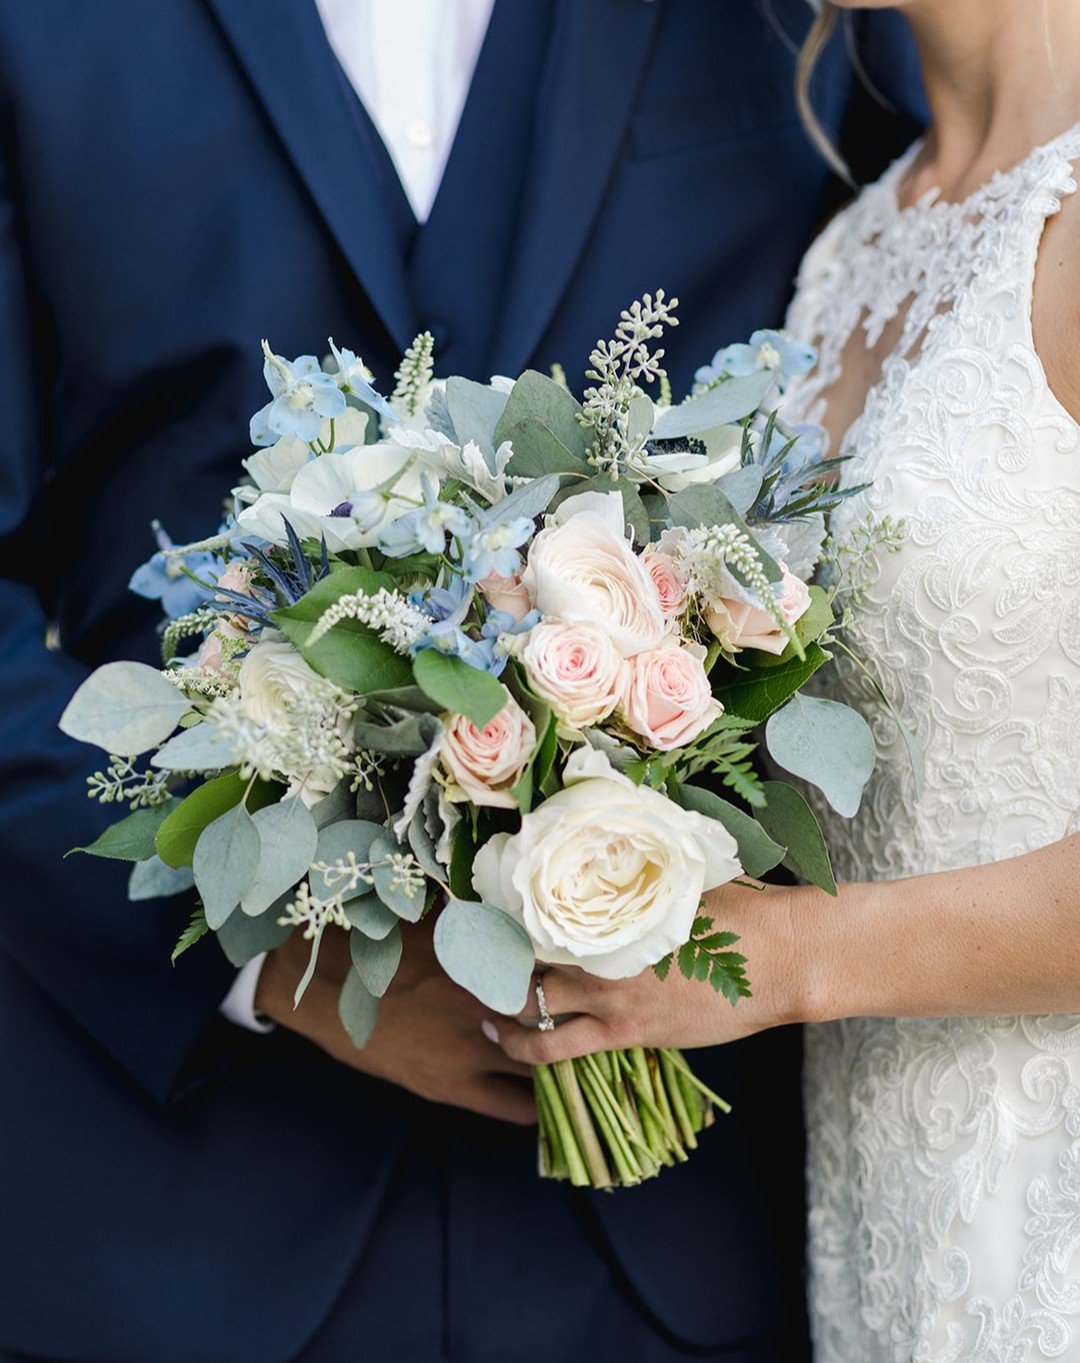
<point x="490" y="1030"/>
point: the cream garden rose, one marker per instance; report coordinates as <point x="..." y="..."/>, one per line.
<point x="581" y="569"/>
<point x="605" y="874"/>
<point x="576" y="668"/>
<point x="485" y="764"/>
<point x="668" y="700"/>
<point x="738" y="625"/>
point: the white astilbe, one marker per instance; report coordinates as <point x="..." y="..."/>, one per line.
<point x="310" y="742"/>
<point x="122" y="783"/>
<point x="414" y="375"/>
<point x="394" y="619"/>
<point x="706" y="554"/>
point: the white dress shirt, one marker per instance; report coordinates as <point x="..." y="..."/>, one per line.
<point x="411" y="62"/>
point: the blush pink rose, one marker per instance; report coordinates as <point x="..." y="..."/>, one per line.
<point x="668" y="700"/>
<point x="670" y="583"/>
<point x="737" y="625"/>
<point x="485" y="764"/>
<point x="210" y="655"/>
<point x="576" y="668"/>
<point x="507" y="594"/>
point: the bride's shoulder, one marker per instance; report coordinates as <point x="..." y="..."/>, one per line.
<point x="1055" y="308"/>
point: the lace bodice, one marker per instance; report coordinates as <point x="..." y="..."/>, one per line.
<point x="945" y="1155"/>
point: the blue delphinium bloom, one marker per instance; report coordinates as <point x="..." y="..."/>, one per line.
<point x="163" y="578"/>
<point x="426" y="527"/>
<point x="500" y="626"/>
<point x="352" y="377"/>
<point x="494" y="548"/>
<point x="776" y="351"/>
<point x="303" y="397"/>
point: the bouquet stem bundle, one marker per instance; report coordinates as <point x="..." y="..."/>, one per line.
<point x="615" y="1118"/>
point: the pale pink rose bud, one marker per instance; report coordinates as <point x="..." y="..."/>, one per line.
<point x="210" y="653"/>
<point x="576" y="668"/>
<point x="737" y="625"/>
<point x="670" y="583"/>
<point x="485" y="764"/>
<point x="668" y="700"/>
<point x="506" y="594"/>
<point x="236" y="577"/>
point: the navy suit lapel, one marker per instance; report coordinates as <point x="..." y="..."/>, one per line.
<point x="597" y="58"/>
<point x="283" y="49"/>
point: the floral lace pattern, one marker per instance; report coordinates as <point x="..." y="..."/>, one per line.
<point x="945" y="1154"/>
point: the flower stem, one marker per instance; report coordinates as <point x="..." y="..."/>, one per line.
<point x="580" y="1120"/>
<point x="576" y="1170"/>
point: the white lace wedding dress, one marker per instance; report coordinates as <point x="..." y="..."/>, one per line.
<point x="945" y="1154"/>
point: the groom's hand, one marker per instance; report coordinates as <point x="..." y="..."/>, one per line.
<point x="427" y="1038"/>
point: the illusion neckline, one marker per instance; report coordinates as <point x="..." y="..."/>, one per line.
<point x="930" y="200"/>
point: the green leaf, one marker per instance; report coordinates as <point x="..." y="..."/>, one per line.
<point x="369" y="915"/>
<point x="152" y="879"/>
<point x="358" y="1009"/>
<point x="199" y="748"/>
<point x="125" y="708"/>
<point x="393" y="894"/>
<point x="475" y="410"/>
<point x="242" y="938"/>
<point x="376" y="961"/>
<point x="197" y="928"/>
<point x="543" y="753"/>
<point x="826" y="743"/>
<point x="225" y="861"/>
<point x="486" y="952"/>
<point x="335" y="843"/>
<point x="350" y="654"/>
<point x="539" y="452"/>
<point x="407" y="737"/>
<point x="741" y="487"/>
<point x="728" y="402"/>
<point x="459" y="688"/>
<point x="131" y="838"/>
<point x="537" y="401"/>
<point x="463" y="849"/>
<point x="754" y="696"/>
<point x="789" y="819"/>
<point x="757" y="851"/>
<point x="177" y="836"/>
<point x="287" y="841"/>
<point x="811" y="625"/>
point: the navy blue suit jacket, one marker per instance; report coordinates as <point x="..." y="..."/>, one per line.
<point x="178" y="179"/>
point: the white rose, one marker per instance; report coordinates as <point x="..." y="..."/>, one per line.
<point x="581" y="568"/>
<point x="605" y="875"/>
<point x="485" y="764"/>
<point x="576" y="669"/>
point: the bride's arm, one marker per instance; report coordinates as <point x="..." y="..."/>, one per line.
<point x="997" y="939"/>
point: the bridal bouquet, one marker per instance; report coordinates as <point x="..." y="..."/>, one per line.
<point x="495" y="655"/>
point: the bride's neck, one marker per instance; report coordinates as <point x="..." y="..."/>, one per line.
<point x="1001" y="77"/>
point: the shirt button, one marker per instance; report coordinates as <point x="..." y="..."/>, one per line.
<point x="420" y="133"/>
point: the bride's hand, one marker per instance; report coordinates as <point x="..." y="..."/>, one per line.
<point x="600" y="1015"/>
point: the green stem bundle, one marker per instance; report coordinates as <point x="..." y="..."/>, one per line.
<point x="615" y="1118"/>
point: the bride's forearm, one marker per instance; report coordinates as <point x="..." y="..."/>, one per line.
<point x="1001" y="938"/>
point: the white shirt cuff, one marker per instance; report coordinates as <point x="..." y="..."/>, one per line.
<point x="239" y="1003"/>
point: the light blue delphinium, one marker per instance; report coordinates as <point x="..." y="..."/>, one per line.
<point x="162" y="578"/>
<point x="303" y="397"/>
<point x="425" y="528"/>
<point x="494" y="548"/>
<point x="775" y="351"/>
<point x="353" y="378"/>
<point x="500" y="626"/>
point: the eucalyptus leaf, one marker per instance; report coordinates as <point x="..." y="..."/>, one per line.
<point x="728" y="402"/>
<point x="475" y="410"/>
<point x="132" y="838"/>
<point x="486" y="952"/>
<point x="423" y="847"/>
<point x="333" y="808"/>
<point x="789" y="819"/>
<point x="358" y="1009"/>
<point x="826" y="743"/>
<point x="287" y="842"/>
<point x="376" y="961"/>
<point x="536" y="400"/>
<point x="179" y="832"/>
<point x="387" y="886"/>
<point x="705" y="504"/>
<point x="530" y="500"/>
<point x="369" y="915"/>
<point x="538" y="451"/>
<point x="225" y="862"/>
<point x="335" y="843"/>
<point x="459" y="688"/>
<point x="242" y="938"/>
<point x="741" y="487"/>
<point x="153" y="879"/>
<point x="758" y="852"/>
<point x="404" y="738"/>
<point x="125" y="708"/>
<point x="201" y="748"/>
